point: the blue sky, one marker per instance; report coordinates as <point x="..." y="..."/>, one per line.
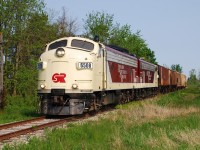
<point x="171" y="28"/>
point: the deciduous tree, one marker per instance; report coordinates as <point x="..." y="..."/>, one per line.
<point x="67" y="26"/>
<point x="192" y="78"/>
<point x="16" y="15"/>
<point x="177" y="67"/>
<point x="100" y="24"/>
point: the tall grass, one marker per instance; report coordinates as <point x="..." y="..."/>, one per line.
<point x="106" y="134"/>
<point x="182" y="98"/>
<point x="18" y="108"/>
<point x="170" y="121"/>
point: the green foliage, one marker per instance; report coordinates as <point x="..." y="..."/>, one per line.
<point x="27" y="29"/>
<point x="100" y="24"/>
<point x="17" y="15"/>
<point x="23" y="24"/>
<point x="193" y="78"/>
<point x="171" y="126"/>
<point x="160" y="134"/>
<point x="184" y="98"/>
<point x="121" y="36"/>
<point x="177" y="67"/>
<point x="188" y="97"/>
<point x="19" y="108"/>
<point x="133" y="42"/>
<point x="87" y="136"/>
<point x="26" y="79"/>
<point x="37" y="33"/>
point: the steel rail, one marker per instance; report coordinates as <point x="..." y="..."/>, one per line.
<point x="42" y="126"/>
<point x="33" y="129"/>
<point x="9" y="125"/>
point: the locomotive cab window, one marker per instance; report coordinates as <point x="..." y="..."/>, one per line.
<point x="82" y="44"/>
<point x="57" y="44"/>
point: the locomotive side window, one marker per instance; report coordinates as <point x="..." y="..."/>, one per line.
<point x="57" y="44"/>
<point x="82" y="44"/>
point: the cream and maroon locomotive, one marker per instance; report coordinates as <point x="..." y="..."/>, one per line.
<point x="78" y="75"/>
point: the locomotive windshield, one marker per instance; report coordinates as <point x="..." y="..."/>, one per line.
<point x="82" y="44"/>
<point x="57" y="44"/>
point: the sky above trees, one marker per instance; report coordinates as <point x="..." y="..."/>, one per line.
<point x="170" y="28"/>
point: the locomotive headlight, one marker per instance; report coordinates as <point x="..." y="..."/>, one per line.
<point x="60" y="52"/>
<point x="74" y="86"/>
<point x="42" y="86"/>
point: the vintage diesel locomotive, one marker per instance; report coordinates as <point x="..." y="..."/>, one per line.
<point x="78" y="74"/>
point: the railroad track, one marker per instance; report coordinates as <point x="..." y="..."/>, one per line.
<point x="8" y="131"/>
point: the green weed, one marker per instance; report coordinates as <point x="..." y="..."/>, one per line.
<point x="183" y="98"/>
<point x="19" y="108"/>
<point x="170" y="121"/>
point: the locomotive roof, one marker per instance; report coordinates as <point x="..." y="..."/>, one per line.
<point x="70" y="38"/>
<point x="119" y="48"/>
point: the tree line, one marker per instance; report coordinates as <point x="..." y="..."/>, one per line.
<point x="27" y="27"/>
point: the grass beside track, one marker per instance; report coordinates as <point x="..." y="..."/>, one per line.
<point x="12" y="116"/>
<point x="18" y="108"/>
<point x="170" y="121"/>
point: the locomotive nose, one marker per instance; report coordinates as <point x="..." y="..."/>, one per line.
<point x="59" y="74"/>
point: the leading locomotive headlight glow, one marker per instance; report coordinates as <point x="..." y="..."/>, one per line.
<point x="60" y="52"/>
<point x="42" y="86"/>
<point x="74" y="86"/>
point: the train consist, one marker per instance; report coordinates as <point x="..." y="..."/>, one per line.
<point x="78" y="74"/>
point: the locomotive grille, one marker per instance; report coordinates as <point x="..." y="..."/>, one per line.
<point x="58" y="92"/>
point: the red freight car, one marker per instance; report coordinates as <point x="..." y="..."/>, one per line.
<point x="178" y="77"/>
<point x="173" y="80"/>
<point x="164" y="79"/>
<point x="183" y="81"/>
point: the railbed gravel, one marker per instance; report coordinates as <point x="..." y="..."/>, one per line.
<point x="24" y="139"/>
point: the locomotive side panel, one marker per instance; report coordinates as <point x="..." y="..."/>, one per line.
<point x="122" y="70"/>
<point x="148" y="73"/>
<point x="128" y="72"/>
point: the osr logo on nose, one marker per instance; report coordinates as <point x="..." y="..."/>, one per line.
<point x="59" y="78"/>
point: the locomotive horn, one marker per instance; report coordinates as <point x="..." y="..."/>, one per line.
<point x="96" y="38"/>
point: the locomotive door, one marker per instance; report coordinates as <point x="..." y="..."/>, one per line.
<point x="104" y="70"/>
<point x="100" y="70"/>
<point x="103" y="67"/>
